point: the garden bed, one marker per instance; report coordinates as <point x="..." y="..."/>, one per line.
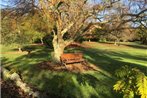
<point x="75" y="67"/>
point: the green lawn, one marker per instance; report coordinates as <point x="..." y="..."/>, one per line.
<point x="110" y="57"/>
<point x="91" y="84"/>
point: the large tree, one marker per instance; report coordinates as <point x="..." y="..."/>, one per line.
<point x="69" y="18"/>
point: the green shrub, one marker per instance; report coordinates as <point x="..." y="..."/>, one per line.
<point x="131" y="82"/>
<point x="103" y="40"/>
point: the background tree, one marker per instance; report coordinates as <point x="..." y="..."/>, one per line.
<point x="142" y="31"/>
<point x="122" y="20"/>
<point x="22" y="30"/>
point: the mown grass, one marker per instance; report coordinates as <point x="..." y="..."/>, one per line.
<point x="91" y="84"/>
<point x="110" y="57"/>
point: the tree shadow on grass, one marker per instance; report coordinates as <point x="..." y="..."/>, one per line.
<point x="4" y="61"/>
<point x="110" y="61"/>
<point x="26" y="61"/>
<point x="137" y="46"/>
<point x="73" y="85"/>
<point x="66" y="84"/>
<point x="62" y="84"/>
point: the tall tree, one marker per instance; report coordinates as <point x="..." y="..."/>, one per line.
<point x="70" y="18"/>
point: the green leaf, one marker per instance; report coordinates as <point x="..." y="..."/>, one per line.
<point x="122" y="72"/>
<point x="119" y="85"/>
<point x="142" y="85"/>
<point x="129" y="94"/>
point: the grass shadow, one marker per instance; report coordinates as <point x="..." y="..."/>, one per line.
<point x="61" y="84"/>
<point x="137" y="46"/>
<point x="110" y="61"/>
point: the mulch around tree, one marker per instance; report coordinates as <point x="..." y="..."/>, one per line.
<point x="75" y="67"/>
<point x="10" y="90"/>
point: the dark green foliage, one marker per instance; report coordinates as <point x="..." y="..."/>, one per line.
<point x="143" y="35"/>
<point x="29" y="49"/>
<point x="48" y="41"/>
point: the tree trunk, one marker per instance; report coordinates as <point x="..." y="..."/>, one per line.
<point x="144" y="40"/>
<point x="41" y="40"/>
<point x="19" y="49"/>
<point x="57" y="53"/>
<point x="117" y="42"/>
<point x="58" y="45"/>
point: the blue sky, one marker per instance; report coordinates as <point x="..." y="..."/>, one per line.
<point x="4" y="3"/>
<point x="134" y="6"/>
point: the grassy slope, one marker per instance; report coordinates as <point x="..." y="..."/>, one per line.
<point x="80" y="85"/>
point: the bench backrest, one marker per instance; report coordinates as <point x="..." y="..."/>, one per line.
<point x="71" y="57"/>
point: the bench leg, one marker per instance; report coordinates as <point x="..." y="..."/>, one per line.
<point x="84" y="62"/>
<point x="64" y="64"/>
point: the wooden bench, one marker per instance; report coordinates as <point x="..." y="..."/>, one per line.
<point x="70" y="58"/>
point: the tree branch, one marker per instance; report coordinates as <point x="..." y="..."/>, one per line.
<point x="67" y="28"/>
<point x="134" y="15"/>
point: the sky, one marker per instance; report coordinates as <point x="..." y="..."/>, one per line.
<point x="133" y="6"/>
<point x="4" y="3"/>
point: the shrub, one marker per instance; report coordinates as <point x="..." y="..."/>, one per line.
<point x="102" y="40"/>
<point x="131" y="82"/>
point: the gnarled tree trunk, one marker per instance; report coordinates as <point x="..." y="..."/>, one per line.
<point x="58" y="51"/>
<point x="59" y="45"/>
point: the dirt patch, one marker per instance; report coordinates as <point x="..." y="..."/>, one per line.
<point x="76" y="44"/>
<point x="10" y="90"/>
<point x="76" y="67"/>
